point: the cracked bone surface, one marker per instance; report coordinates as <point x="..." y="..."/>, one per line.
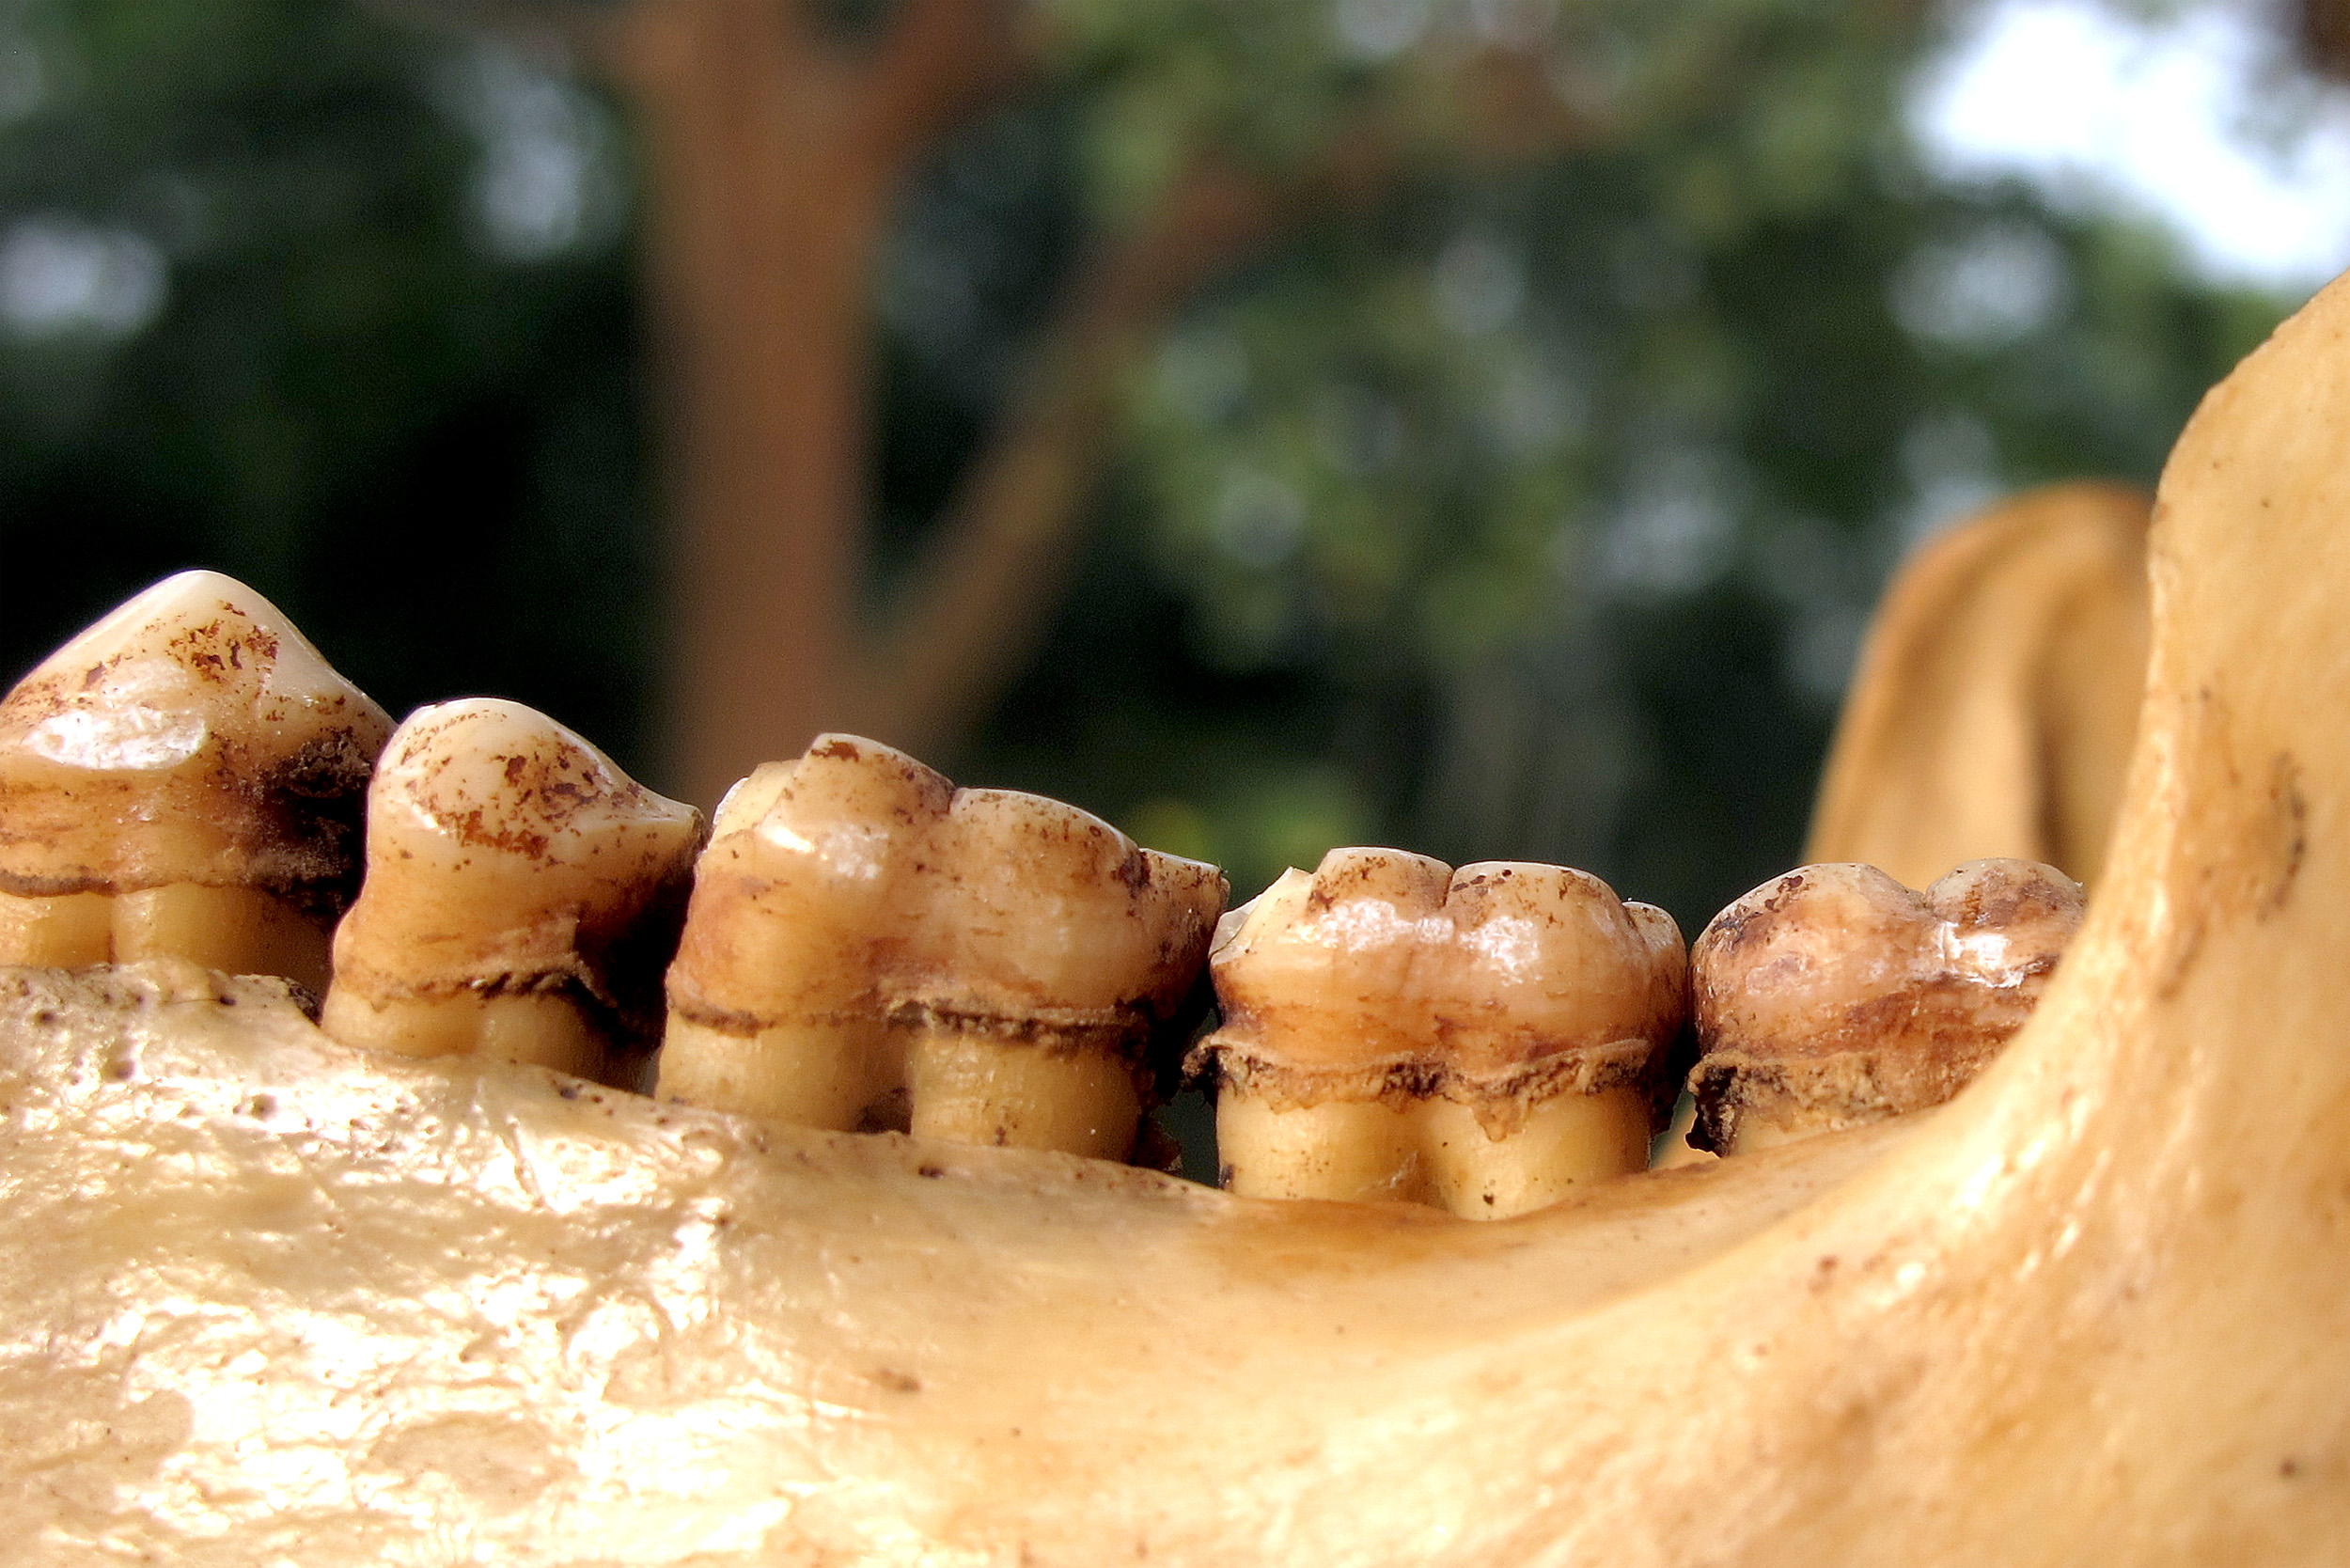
<point x="1833" y="996"/>
<point x="264" y="1299"/>
<point x="870" y="947"/>
<point x="1483" y="1039"/>
<point x="183" y="778"/>
<point x="523" y="895"/>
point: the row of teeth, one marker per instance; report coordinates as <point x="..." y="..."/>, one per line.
<point x="858" y="945"/>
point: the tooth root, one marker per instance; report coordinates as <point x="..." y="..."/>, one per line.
<point x="193" y="763"/>
<point x="521" y="897"/>
<point x="241" y="930"/>
<point x="839" y="1075"/>
<point x="1350" y="1150"/>
<point x="68" y="931"/>
<point x="1834" y="996"/>
<point x="868" y="947"/>
<point x="973" y="1089"/>
<point x="1485" y="1040"/>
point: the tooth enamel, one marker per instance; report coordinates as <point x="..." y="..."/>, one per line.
<point x="521" y="897"/>
<point x="870" y="947"/>
<point x="1482" y="1039"/>
<point x="1834" y="996"/>
<point x="184" y="779"/>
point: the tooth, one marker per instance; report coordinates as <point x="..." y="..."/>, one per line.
<point x="521" y="896"/>
<point x="182" y="779"/>
<point x="870" y="947"/>
<point x="1834" y="996"/>
<point x="1482" y="1040"/>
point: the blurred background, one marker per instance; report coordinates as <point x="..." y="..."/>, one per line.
<point x="1479" y="426"/>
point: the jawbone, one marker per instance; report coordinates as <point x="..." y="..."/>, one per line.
<point x="265" y="1299"/>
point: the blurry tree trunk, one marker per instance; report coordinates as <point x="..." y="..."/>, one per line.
<point x="776" y="148"/>
<point x="778" y="142"/>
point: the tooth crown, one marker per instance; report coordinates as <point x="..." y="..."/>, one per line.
<point x="877" y="890"/>
<point x="1836" y="993"/>
<point x="190" y="736"/>
<point x="1387" y="973"/>
<point x="506" y="853"/>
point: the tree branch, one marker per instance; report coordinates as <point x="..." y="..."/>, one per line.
<point x="980" y="601"/>
<point x="941" y="61"/>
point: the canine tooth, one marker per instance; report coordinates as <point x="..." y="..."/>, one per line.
<point x="1834" y="996"/>
<point x="521" y="896"/>
<point x="870" y="947"/>
<point x="184" y="779"/>
<point x="1482" y="1039"/>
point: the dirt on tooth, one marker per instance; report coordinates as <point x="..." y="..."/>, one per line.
<point x="871" y="948"/>
<point x="1833" y="996"/>
<point x="523" y="895"/>
<point x="1482" y="1040"/>
<point x="192" y="757"/>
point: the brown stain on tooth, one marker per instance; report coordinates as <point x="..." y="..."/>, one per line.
<point x="1480" y="1040"/>
<point x="190" y="736"/>
<point x="523" y="895"/>
<point x="1834" y="996"/>
<point x="865" y="942"/>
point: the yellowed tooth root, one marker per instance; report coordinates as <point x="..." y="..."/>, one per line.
<point x="833" y="1074"/>
<point x="972" y="1089"/>
<point x="871" y="948"/>
<point x="65" y="932"/>
<point x="240" y="931"/>
<point x="520" y="901"/>
<point x="1431" y="1152"/>
<point x="545" y="1029"/>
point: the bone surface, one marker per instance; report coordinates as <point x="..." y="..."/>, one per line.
<point x="1834" y="996"/>
<point x="522" y="897"/>
<point x="183" y="778"/>
<point x="870" y="947"/>
<point x="1483" y="1039"/>
<point x="264" y="1299"/>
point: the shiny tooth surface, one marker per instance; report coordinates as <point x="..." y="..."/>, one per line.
<point x="1482" y="1040"/>
<point x="182" y="779"/>
<point x="1834" y="996"/>
<point x="523" y="895"/>
<point x="871" y="948"/>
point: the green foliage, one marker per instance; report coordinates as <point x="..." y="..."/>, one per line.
<point x="1529" y="507"/>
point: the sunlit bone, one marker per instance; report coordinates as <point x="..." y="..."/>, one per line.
<point x="870" y="947"/>
<point x="523" y="895"/>
<point x="184" y="779"/>
<point x="1482" y="1040"/>
<point x="1834" y="996"/>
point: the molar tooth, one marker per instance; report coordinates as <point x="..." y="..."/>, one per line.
<point x="1482" y="1039"/>
<point x="868" y="946"/>
<point x="183" y="778"/>
<point x="521" y="897"/>
<point x="1834" y="996"/>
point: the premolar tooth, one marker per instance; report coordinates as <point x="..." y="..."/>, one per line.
<point x="521" y="897"/>
<point x="1482" y="1039"/>
<point x="870" y="947"/>
<point x="184" y="777"/>
<point x="1834" y="996"/>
